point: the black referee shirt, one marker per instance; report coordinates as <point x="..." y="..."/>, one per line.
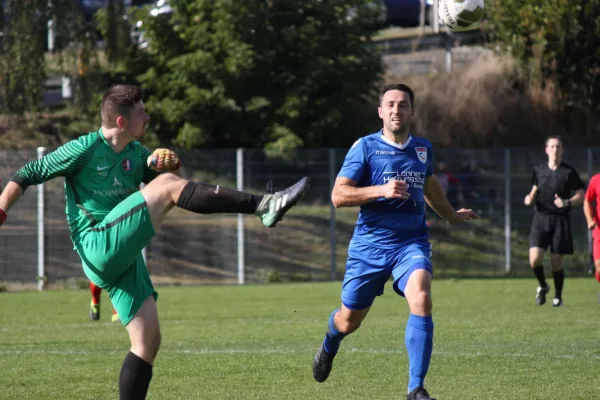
<point x="564" y="181"/>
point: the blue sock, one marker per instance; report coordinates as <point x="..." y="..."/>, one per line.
<point x="333" y="337"/>
<point x="419" y="345"/>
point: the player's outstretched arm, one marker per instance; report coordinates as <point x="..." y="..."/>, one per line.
<point x="434" y="195"/>
<point x="9" y="196"/>
<point x="346" y="194"/>
<point x="66" y="160"/>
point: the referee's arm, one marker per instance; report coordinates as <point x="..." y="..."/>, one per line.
<point x="531" y="195"/>
<point x="577" y="188"/>
<point x="576" y="199"/>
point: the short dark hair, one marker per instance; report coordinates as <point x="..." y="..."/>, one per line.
<point x="398" y="86"/>
<point x="557" y="137"/>
<point x="118" y="100"/>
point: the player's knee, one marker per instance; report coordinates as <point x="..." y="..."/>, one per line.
<point x="536" y="257"/>
<point x="157" y="342"/>
<point x="167" y="180"/>
<point x="535" y="261"/>
<point x="147" y="346"/>
<point x="152" y="343"/>
<point x="166" y="186"/>
<point x="556" y="261"/>
<point x="347" y="325"/>
<point x="597" y="265"/>
<point x="420" y="303"/>
<point x="156" y="339"/>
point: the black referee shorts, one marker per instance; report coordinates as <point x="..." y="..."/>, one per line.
<point x="552" y="231"/>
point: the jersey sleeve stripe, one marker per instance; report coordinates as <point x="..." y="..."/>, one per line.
<point x="67" y="160"/>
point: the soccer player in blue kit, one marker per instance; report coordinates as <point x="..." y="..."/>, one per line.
<point x="389" y="175"/>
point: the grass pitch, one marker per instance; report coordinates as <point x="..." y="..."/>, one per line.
<point x="257" y="342"/>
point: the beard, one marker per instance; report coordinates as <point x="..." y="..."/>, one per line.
<point x="141" y="133"/>
<point x="397" y="129"/>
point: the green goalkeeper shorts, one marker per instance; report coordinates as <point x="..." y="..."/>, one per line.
<point x="111" y="252"/>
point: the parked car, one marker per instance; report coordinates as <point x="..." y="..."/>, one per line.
<point x="406" y="13"/>
<point x="401" y="13"/>
<point x="89" y="7"/>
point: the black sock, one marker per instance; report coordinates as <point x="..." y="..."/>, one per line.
<point x="135" y="378"/>
<point x="204" y="198"/>
<point x="559" y="280"/>
<point x="539" y="274"/>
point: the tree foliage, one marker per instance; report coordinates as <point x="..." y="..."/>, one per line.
<point x="115" y="29"/>
<point x="558" y="42"/>
<point x="76" y="53"/>
<point x="22" y="64"/>
<point x="255" y="73"/>
<point x="26" y="59"/>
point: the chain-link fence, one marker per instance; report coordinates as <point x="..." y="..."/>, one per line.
<point x="311" y="243"/>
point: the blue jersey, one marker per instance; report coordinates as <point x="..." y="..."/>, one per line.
<point x="374" y="160"/>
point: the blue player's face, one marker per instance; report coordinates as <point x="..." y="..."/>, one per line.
<point x="396" y="112"/>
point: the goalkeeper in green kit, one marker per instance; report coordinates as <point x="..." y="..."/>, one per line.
<point x="111" y="220"/>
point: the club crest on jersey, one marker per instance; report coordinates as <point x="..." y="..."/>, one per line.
<point x="126" y="165"/>
<point x="421" y="154"/>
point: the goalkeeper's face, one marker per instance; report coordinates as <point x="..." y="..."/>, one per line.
<point x="137" y="122"/>
<point x="396" y="111"/>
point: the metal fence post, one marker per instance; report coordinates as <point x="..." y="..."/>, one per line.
<point x="448" y="46"/>
<point x="40" y="228"/>
<point x="332" y="226"/>
<point x="436" y="19"/>
<point x="507" y="211"/>
<point x="240" y="217"/>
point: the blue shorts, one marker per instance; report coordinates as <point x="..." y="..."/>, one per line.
<point x="368" y="269"/>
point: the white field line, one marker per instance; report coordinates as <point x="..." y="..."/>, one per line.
<point x="238" y="351"/>
<point x="165" y="324"/>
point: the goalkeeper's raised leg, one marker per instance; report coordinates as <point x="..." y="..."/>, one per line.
<point x="168" y="190"/>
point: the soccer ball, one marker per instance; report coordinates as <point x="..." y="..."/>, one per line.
<point x="460" y="15"/>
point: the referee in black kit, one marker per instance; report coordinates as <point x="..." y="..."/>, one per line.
<point x="557" y="187"/>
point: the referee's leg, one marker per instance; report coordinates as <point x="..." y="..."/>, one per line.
<point x="558" y="273"/>
<point x="562" y="244"/>
<point x="538" y="242"/>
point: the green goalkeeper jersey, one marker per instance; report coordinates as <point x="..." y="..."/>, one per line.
<point x="96" y="177"/>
